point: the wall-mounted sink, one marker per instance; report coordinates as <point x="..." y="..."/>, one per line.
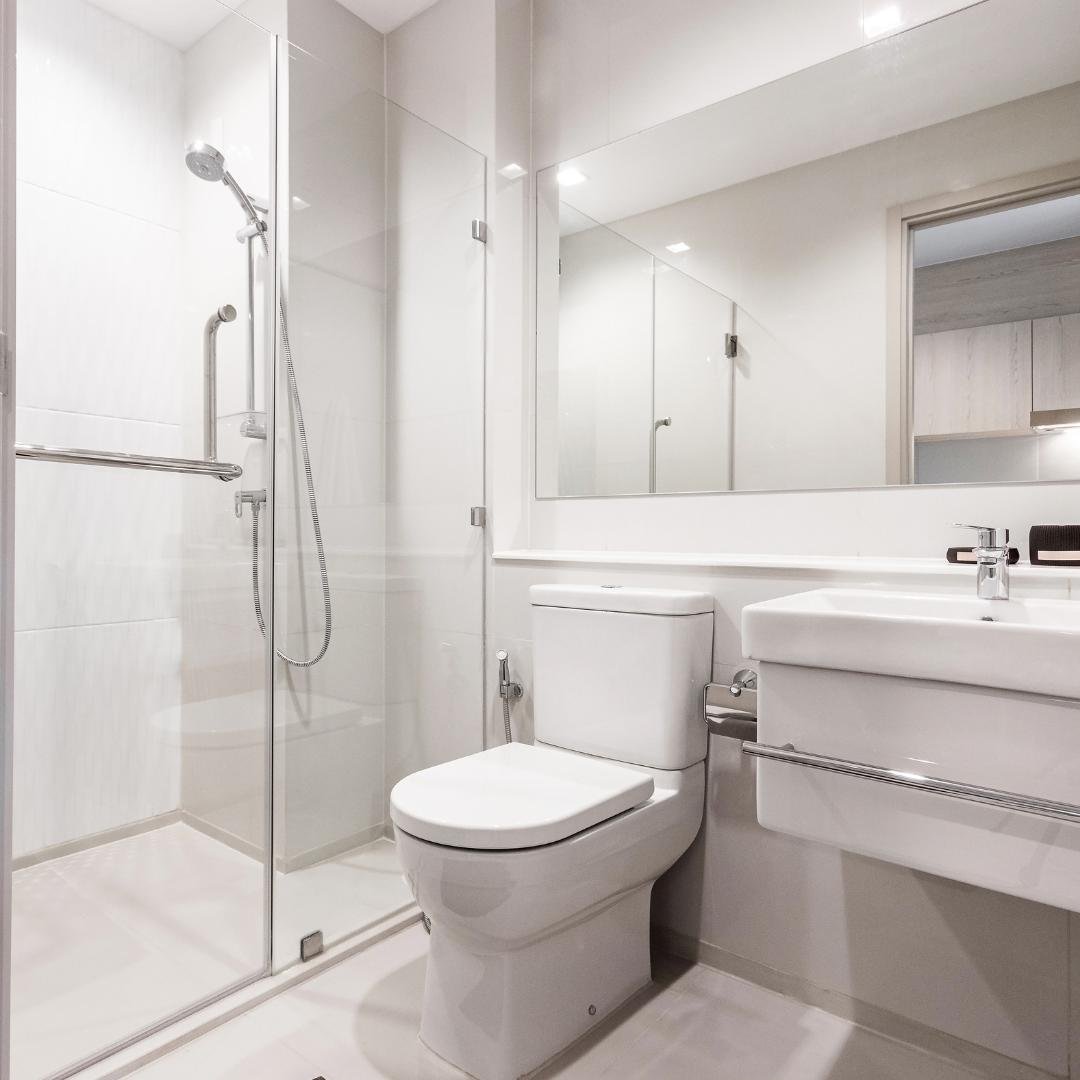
<point x="905" y="727"/>
<point x="1026" y="645"/>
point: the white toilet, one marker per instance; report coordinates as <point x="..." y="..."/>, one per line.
<point x="536" y="863"/>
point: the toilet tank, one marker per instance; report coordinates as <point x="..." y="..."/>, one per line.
<point x="619" y="672"/>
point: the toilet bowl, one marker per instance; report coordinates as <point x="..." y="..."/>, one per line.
<point x="535" y="863"/>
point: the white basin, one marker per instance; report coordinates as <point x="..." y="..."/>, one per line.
<point x="918" y="686"/>
<point x="1031" y="645"/>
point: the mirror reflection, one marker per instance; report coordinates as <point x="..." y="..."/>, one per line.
<point x="809" y="287"/>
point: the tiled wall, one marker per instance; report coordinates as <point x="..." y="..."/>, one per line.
<point x="98" y="630"/>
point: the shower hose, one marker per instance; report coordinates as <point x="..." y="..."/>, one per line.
<point x="294" y="394"/>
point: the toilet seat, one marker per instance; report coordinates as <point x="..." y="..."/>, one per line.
<point x="515" y="796"/>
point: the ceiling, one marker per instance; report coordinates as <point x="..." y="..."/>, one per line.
<point x="181" y="23"/>
<point x="1003" y="230"/>
<point x="386" y="15"/>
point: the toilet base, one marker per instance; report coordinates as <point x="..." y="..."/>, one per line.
<point x="499" y="1015"/>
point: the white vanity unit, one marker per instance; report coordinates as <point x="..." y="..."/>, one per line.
<point x="939" y="732"/>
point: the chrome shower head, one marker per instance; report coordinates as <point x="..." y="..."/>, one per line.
<point x="208" y="163"/>
<point x="205" y="161"/>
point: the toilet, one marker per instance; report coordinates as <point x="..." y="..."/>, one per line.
<point x="535" y="863"/>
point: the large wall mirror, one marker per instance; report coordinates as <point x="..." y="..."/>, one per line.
<point x="867" y="273"/>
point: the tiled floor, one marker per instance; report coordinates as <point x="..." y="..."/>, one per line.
<point x="359" y="1021"/>
<point x="117" y="937"/>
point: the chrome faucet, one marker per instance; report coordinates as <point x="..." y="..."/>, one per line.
<point x="992" y="556"/>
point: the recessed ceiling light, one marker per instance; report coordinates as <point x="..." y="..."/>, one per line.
<point x="513" y="171"/>
<point x="1055" y="419"/>
<point x="882" y="21"/>
<point x="568" y="176"/>
<point x="678" y="247"/>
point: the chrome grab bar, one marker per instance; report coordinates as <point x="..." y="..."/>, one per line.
<point x="224" y="314"/>
<point x="221" y="470"/>
<point x="954" y="789"/>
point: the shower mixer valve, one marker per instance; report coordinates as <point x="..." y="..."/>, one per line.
<point x="255" y="497"/>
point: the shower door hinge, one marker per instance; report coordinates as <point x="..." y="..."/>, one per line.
<point x="479" y="230"/>
<point x="478" y="516"/>
<point x="731" y="346"/>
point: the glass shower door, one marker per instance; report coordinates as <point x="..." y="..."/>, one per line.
<point x="384" y="285"/>
<point x="141" y="779"/>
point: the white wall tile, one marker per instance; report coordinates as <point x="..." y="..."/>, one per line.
<point x="89" y="752"/>
<point x="100" y="104"/>
<point x="100" y="367"/>
<point x="457" y="97"/>
<point x="96" y="545"/>
<point x="98" y="310"/>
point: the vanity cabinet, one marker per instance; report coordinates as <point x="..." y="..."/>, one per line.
<point x="974" y="380"/>
<point x="1055" y="362"/>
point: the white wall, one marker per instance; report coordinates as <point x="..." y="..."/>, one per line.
<point x="97" y="550"/>
<point x="904" y="951"/>
<point x="576" y="91"/>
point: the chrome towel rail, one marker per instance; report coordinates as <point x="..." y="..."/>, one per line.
<point x="115" y="459"/>
<point x="954" y="789"/>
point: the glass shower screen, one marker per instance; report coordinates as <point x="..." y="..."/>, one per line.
<point x="141" y="788"/>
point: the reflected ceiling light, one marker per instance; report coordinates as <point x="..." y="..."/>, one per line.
<point x="299" y="204"/>
<point x="882" y="21"/>
<point x="1055" y="419"/>
<point x="568" y="176"/>
<point x="513" y="171"/>
<point x="678" y="247"/>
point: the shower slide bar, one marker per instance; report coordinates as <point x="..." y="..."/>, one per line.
<point x="115" y="459"/>
<point x="953" y="789"/>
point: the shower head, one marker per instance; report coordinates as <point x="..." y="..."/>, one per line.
<point x="206" y="162"/>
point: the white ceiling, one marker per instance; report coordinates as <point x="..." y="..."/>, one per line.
<point x="386" y="15"/>
<point x="1003" y="230"/>
<point x="180" y="23"/>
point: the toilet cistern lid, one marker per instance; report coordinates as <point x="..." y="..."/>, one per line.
<point x="514" y="796"/>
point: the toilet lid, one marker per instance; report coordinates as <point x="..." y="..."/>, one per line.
<point x="514" y="796"/>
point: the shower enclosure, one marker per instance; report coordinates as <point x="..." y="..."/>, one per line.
<point x="248" y="429"/>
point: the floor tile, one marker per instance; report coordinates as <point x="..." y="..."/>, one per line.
<point x="338" y="896"/>
<point x="109" y="940"/>
<point x="360" y="1020"/>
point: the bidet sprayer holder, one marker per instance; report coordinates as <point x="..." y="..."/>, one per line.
<point x="507" y="689"/>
